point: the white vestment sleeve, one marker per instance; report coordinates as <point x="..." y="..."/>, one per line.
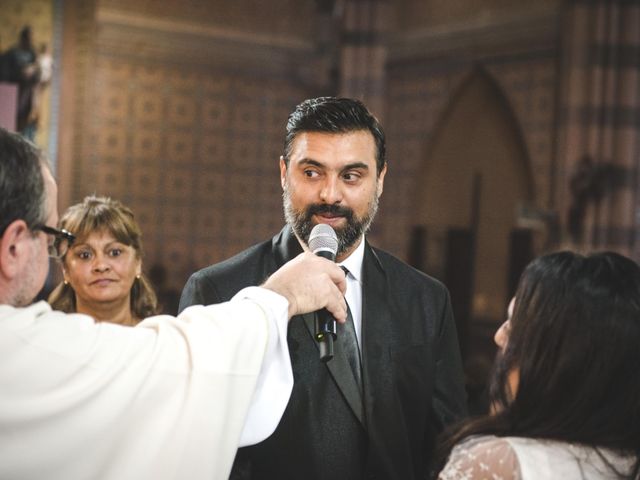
<point x="275" y="381"/>
<point x="167" y="399"/>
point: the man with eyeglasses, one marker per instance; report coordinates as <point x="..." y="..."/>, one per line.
<point x="170" y="398"/>
<point x="61" y="240"/>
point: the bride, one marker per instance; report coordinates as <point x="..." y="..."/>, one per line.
<point x="566" y="384"/>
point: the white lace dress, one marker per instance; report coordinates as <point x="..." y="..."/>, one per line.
<point x="516" y="458"/>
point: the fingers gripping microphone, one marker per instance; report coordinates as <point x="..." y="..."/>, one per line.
<point x="324" y="243"/>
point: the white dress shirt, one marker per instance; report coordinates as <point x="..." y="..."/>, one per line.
<point x="353" y="263"/>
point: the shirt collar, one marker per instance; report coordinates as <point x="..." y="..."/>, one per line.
<point x="354" y="261"/>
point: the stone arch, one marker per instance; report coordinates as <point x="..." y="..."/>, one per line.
<point x="475" y="175"/>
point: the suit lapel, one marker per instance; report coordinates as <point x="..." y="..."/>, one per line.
<point x="377" y="327"/>
<point x="340" y="370"/>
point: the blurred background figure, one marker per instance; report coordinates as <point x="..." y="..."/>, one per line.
<point x="21" y="67"/>
<point x="44" y="62"/>
<point x="103" y="269"/>
<point x="565" y="389"/>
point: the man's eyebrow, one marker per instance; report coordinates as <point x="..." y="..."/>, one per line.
<point x="310" y="161"/>
<point x="356" y="165"/>
<point x="349" y="166"/>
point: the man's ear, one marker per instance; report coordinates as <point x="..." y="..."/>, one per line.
<point x="14" y="249"/>
<point x="283" y="172"/>
<point x="380" y="179"/>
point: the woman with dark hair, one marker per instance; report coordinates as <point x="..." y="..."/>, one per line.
<point x="566" y="385"/>
<point x="103" y="269"/>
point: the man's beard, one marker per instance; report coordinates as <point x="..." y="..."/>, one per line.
<point x="302" y="224"/>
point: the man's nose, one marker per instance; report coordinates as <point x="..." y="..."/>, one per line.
<point x="331" y="190"/>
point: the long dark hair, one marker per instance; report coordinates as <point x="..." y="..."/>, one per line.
<point x="575" y="343"/>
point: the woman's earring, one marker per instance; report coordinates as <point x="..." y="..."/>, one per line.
<point x="66" y="282"/>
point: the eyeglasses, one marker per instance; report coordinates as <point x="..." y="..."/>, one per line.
<point x="62" y="240"/>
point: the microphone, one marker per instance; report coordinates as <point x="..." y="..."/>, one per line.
<point x="324" y="243"/>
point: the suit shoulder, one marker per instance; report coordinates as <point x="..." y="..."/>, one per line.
<point x="245" y="261"/>
<point x="403" y="273"/>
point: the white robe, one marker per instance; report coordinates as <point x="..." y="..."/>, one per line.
<point x="171" y="398"/>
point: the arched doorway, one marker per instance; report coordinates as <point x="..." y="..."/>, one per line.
<point x="476" y="174"/>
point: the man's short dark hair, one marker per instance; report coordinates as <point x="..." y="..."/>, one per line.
<point x="334" y="115"/>
<point x="22" y="194"/>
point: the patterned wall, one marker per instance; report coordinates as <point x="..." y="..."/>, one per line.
<point x="182" y="122"/>
<point x="194" y="153"/>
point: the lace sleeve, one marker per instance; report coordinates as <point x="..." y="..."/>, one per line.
<point x="481" y="458"/>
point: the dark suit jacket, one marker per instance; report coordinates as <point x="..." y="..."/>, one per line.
<point x="412" y="375"/>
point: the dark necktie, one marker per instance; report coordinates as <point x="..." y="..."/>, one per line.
<point x="349" y="342"/>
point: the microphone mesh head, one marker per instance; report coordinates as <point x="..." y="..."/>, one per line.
<point x="323" y="237"/>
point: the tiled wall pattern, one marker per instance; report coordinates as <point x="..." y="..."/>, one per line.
<point x="193" y="153"/>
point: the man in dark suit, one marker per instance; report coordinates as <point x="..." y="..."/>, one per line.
<point x="396" y="378"/>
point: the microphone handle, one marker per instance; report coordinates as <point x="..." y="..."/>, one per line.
<point x="325" y="334"/>
<point x="325" y="323"/>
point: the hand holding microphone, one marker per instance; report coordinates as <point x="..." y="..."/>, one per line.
<point x="310" y="283"/>
<point x="323" y="242"/>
